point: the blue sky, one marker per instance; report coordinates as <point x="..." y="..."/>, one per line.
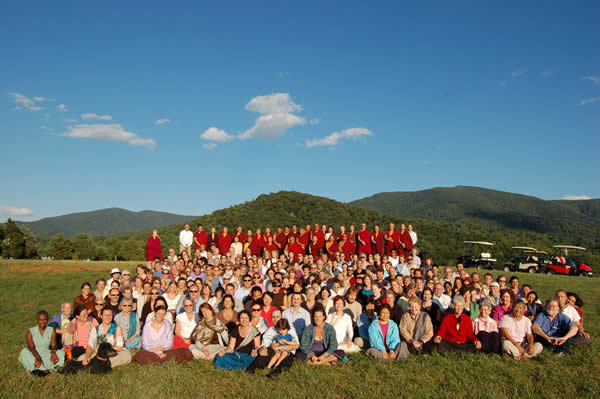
<point x="188" y="107"/>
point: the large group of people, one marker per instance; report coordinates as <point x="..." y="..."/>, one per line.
<point x="263" y="300"/>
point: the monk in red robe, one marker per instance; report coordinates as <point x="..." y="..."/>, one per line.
<point x="345" y="247"/>
<point x="342" y="235"/>
<point x="352" y="238"/>
<point x="391" y="239"/>
<point x="280" y="239"/>
<point x="294" y="248"/>
<point x="240" y="235"/>
<point x="270" y="246"/>
<point x="331" y="247"/>
<point x="405" y="241"/>
<point x="212" y="239"/>
<point x="364" y="239"/>
<point x="259" y="240"/>
<point x="268" y="234"/>
<point x="320" y="236"/>
<point x="199" y="237"/>
<point x="153" y="247"/>
<point x="224" y="241"/>
<point x="313" y="247"/>
<point x="304" y="239"/>
<point x="377" y="241"/>
<point x="294" y="233"/>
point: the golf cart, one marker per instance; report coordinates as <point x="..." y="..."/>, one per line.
<point x="563" y="265"/>
<point x="527" y="259"/>
<point x="476" y="254"/>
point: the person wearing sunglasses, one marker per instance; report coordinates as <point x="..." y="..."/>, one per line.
<point x="150" y="304"/>
<point x="194" y="295"/>
<point x="127" y="320"/>
<point x="113" y="300"/>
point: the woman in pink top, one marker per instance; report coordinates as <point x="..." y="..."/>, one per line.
<point x="486" y="329"/>
<point x="507" y="297"/>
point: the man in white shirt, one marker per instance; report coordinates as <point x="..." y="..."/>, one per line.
<point x="440" y="298"/>
<point x="413" y="235"/>
<point x="186" y="238"/>
<point x="243" y="292"/>
<point x="298" y="317"/>
<point x="582" y="336"/>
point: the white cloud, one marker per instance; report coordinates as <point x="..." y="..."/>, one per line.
<point x="314" y="121"/>
<point x="110" y="132"/>
<point x="44" y="127"/>
<point x="26" y="102"/>
<point x="209" y="146"/>
<point x="6" y="210"/>
<point x="277" y="116"/>
<point x="214" y="134"/>
<point x="70" y="120"/>
<point x="587" y="101"/>
<point x="161" y="121"/>
<point x="335" y="137"/>
<point x="516" y="73"/>
<point x="62" y="108"/>
<point x="576" y="197"/>
<point x="502" y="84"/>
<point x="595" y="79"/>
<point x="90" y="115"/>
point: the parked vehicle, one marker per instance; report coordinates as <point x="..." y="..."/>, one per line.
<point x="527" y="259"/>
<point x="565" y="265"/>
<point x="477" y="254"/>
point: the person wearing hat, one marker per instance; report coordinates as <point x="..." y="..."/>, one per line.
<point x="456" y="331"/>
<point x="493" y="296"/>
<point x="115" y="274"/>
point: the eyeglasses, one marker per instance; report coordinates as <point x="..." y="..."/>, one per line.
<point x="256" y="309"/>
<point x="193" y="291"/>
<point x="99" y="304"/>
<point x="114" y="294"/>
<point x="126" y="306"/>
<point x="154" y="293"/>
<point x="247" y="280"/>
<point x="188" y="305"/>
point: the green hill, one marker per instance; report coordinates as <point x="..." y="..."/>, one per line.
<point x="571" y="220"/>
<point x="442" y="239"/>
<point x="102" y="222"/>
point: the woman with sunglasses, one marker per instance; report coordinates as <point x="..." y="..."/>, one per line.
<point x="127" y="320"/>
<point x="150" y="304"/>
<point x="184" y="325"/>
<point x="95" y="315"/>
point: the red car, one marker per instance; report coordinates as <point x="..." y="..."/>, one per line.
<point x="563" y="265"/>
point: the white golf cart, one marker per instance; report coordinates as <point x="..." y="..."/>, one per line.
<point x="477" y="254"/>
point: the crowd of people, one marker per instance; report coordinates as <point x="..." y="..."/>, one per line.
<point x="263" y="300"/>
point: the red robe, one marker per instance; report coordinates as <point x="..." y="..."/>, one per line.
<point x="259" y="241"/>
<point x="404" y="237"/>
<point x="389" y="245"/>
<point x="364" y="235"/>
<point x="201" y="237"/>
<point x="241" y="236"/>
<point x="212" y="239"/>
<point x="320" y="238"/>
<point x="352" y="240"/>
<point x="331" y="248"/>
<point x="224" y="242"/>
<point x="267" y="235"/>
<point x="153" y="249"/>
<point x="281" y="239"/>
<point x="304" y="239"/>
<point x="295" y="249"/>
<point x="346" y="248"/>
<point x="294" y="234"/>
<point x="378" y="244"/>
<point x="254" y="248"/>
<point x="314" y="249"/>
<point x="341" y="236"/>
<point x="271" y="247"/>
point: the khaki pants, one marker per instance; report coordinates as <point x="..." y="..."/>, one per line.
<point x="186" y="249"/>
<point x="511" y="349"/>
<point x="122" y="358"/>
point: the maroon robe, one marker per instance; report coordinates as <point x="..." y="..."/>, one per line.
<point x="346" y="248"/>
<point x="331" y="248"/>
<point x="212" y="239"/>
<point x="281" y="240"/>
<point x="404" y="237"/>
<point x="201" y="237"/>
<point x="314" y="249"/>
<point x="241" y="236"/>
<point x="295" y="249"/>
<point x="393" y="244"/>
<point x="153" y="249"/>
<point x="364" y="235"/>
<point x="259" y="241"/>
<point x="271" y="247"/>
<point x="352" y="240"/>
<point x="377" y="242"/>
<point x="224" y="242"/>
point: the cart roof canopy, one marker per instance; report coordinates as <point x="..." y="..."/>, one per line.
<point x="478" y="242"/>
<point x="536" y="252"/>
<point x="526" y="249"/>
<point x="569" y="247"/>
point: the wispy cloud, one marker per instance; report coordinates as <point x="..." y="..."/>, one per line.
<point x="159" y="122"/>
<point x="90" y="115"/>
<point x="576" y="197"/>
<point x="502" y="84"/>
<point x="26" y="102"/>
<point x="587" y="101"/>
<point x="110" y="132"/>
<point x="209" y="146"/>
<point x="7" y="210"/>
<point x="334" y="138"/>
<point x="214" y="134"/>
<point x="546" y="73"/>
<point x="62" y="108"/>
<point x="594" y="79"/>
<point x="277" y="116"/>
<point x="314" y="121"/>
<point x="70" y="120"/>
<point x="515" y="74"/>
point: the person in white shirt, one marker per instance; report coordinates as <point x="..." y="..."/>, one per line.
<point x="298" y="317"/>
<point x="413" y="235"/>
<point x="186" y="238"/>
<point x="442" y="300"/>
<point x="342" y="323"/>
<point x="582" y="336"/>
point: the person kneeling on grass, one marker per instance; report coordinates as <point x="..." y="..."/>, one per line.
<point x="554" y="330"/>
<point x="517" y="339"/>
<point x="456" y="331"/>
<point x="41" y="356"/>
<point x="283" y="343"/>
<point x="384" y="336"/>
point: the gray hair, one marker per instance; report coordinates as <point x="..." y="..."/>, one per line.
<point x="125" y="301"/>
<point x="485" y="303"/>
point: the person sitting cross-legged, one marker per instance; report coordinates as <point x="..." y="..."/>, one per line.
<point x="553" y="329"/>
<point x="517" y="338"/>
<point x="456" y="331"/>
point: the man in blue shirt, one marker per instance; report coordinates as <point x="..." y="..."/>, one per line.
<point x="554" y="329"/>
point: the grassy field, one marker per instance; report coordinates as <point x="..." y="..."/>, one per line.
<point x="28" y="286"/>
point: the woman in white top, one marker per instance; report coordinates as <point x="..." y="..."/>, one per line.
<point x="237" y="247"/>
<point x="342" y="323"/>
<point x="184" y="325"/>
<point x="160" y="301"/>
<point x="138" y="288"/>
<point x="172" y="296"/>
<point x="325" y="300"/>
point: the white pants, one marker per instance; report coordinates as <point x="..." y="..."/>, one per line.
<point x="511" y="349"/>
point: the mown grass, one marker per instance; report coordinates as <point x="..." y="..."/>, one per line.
<point x="28" y="286"/>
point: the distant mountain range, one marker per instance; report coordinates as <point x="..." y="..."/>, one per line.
<point x="493" y="208"/>
<point x="103" y="222"/>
